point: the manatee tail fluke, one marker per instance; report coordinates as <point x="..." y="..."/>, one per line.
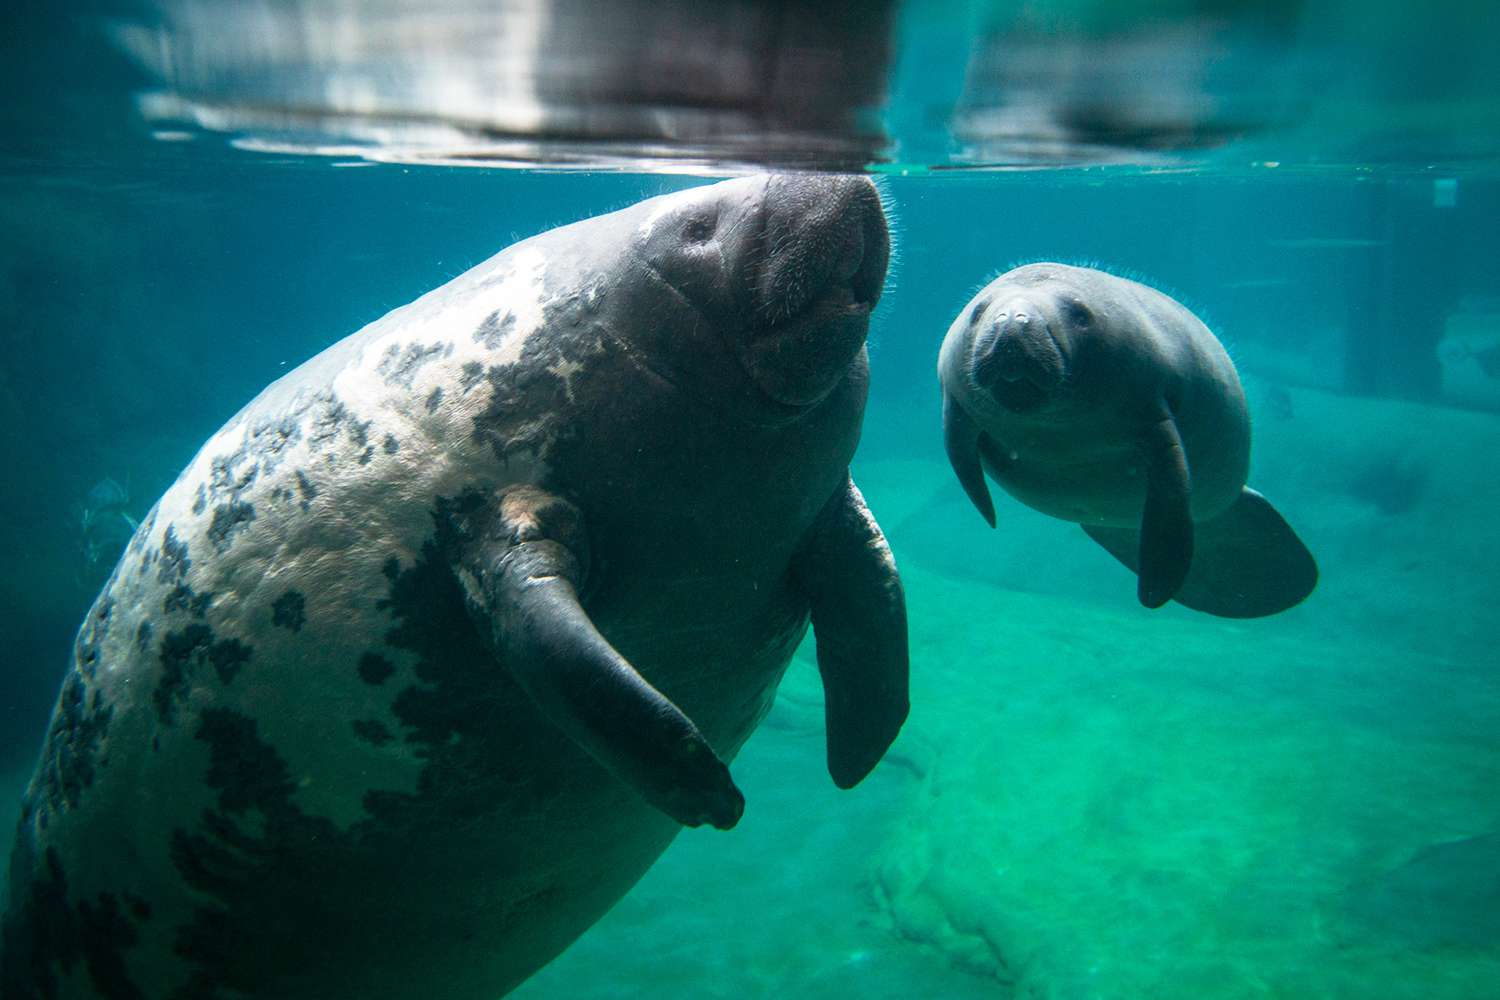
<point x="1247" y="562"/>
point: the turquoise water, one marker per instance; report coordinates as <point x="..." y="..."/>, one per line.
<point x="1090" y="799"/>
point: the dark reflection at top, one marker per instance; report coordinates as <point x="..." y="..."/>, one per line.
<point x="697" y="83"/>
<point x="1082" y="84"/>
<point x="716" y="86"/>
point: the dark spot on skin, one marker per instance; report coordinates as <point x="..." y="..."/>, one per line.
<point x="270" y="437"/>
<point x="229" y="520"/>
<point x="325" y="420"/>
<point x="223" y="479"/>
<point x="521" y="415"/>
<point x="306" y="488"/>
<point x="46" y="936"/>
<point x="391" y="445"/>
<point x="185" y="598"/>
<point x="183" y="652"/>
<point x="366" y="455"/>
<point x="470" y="375"/>
<point x="372" y="731"/>
<point x="289" y="611"/>
<point x="71" y="750"/>
<point x="200" y="500"/>
<point x="434" y="399"/>
<point x="143" y="635"/>
<point x="227" y="657"/>
<point x="92" y="634"/>
<point x="495" y="328"/>
<point x="174" y="558"/>
<point x="399" y="366"/>
<point x="375" y="669"/>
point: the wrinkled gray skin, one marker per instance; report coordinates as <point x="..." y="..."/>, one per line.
<point x="1097" y="399"/>
<point x="435" y="646"/>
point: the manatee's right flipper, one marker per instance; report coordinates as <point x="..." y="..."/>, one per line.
<point x="845" y="569"/>
<point x="1166" y="547"/>
<point x="521" y="565"/>
<point x="961" y="439"/>
<point x="1247" y="562"/>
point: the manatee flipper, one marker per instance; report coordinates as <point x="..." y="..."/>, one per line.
<point x="845" y="569"/>
<point x="1247" y="562"/>
<point x="1166" y="545"/>
<point x="1161" y="550"/>
<point x="961" y="439"/>
<point x="521" y="567"/>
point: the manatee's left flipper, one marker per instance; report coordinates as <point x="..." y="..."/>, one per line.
<point x="845" y="569"/>
<point x="1249" y="563"/>
<point x="521" y="566"/>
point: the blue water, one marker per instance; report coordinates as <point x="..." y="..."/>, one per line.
<point x="1090" y="799"/>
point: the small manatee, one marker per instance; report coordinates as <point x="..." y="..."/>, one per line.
<point x="1099" y="400"/>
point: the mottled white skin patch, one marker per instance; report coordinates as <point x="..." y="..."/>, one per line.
<point x="329" y="546"/>
<point x="1078" y="455"/>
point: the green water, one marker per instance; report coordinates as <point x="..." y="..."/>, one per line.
<point x="1090" y="800"/>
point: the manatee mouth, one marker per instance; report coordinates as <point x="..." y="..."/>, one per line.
<point x="1020" y="367"/>
<point x="822" y="278"/>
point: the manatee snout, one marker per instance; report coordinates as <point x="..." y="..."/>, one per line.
<point x="1015" y="357"/>
<point x="825" y="237"/>
<point x="824" y="253"/>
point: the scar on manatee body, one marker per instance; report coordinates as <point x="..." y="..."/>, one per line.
<point x="391" y="445"/>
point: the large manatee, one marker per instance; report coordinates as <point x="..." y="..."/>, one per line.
<point x="433" y="649"/>
<point x="1101" y="400"/>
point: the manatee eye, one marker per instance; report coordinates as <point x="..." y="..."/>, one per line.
<point x="1078" y="314"/>
<point x="698" y="229"/>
